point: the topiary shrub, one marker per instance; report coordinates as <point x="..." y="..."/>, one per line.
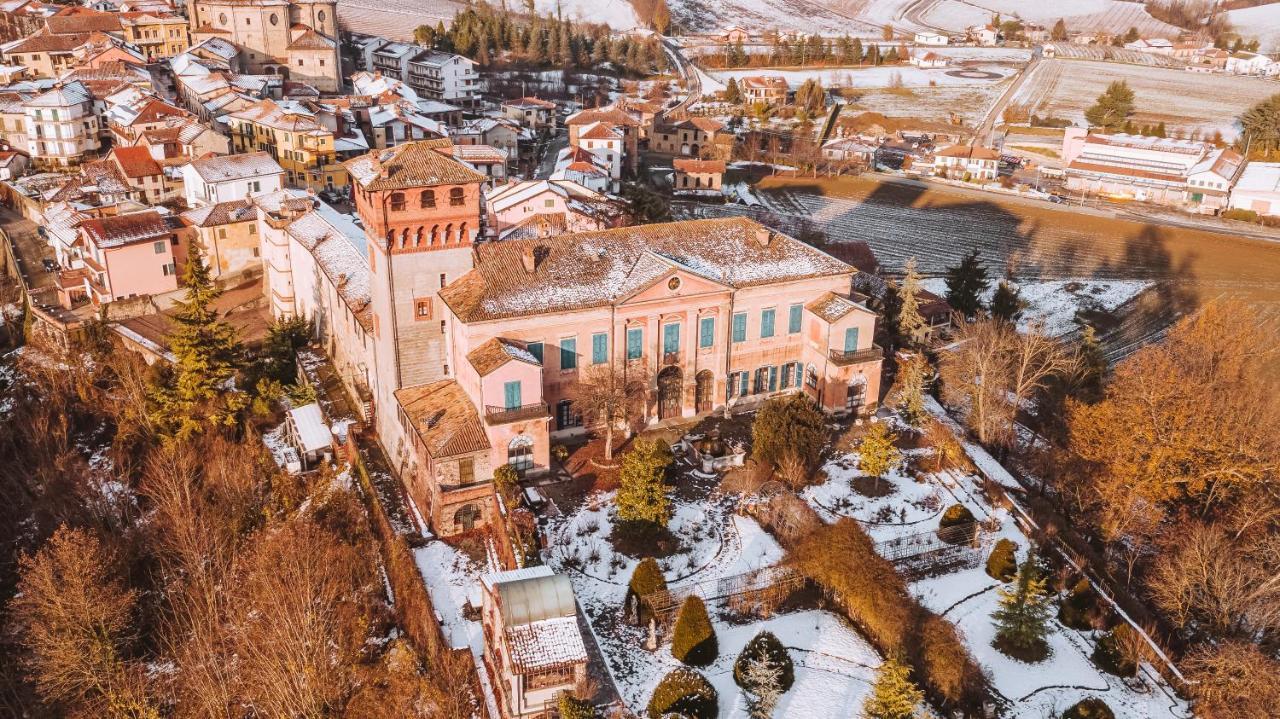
<point x="572" y="707"/>
<point x="1091" y="708"/>
<point x="1109" y="654"/>
<point x="764" y="645"/>
<point x="1003" y="562"/>
<point x="646" y="579"/>
<point x="685" y="692"/>
<point x="694" y="639"/>
<point x="1079" y="608"/>
<point x="955" y="516"/>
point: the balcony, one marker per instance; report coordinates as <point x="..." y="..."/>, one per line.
<point x="874" y="353"/>
<point x="671" y="358"/>
<point x="494" y="414"/>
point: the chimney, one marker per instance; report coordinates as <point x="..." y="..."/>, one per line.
<point x="528" y="260"/>
<point x="763" y="236"/>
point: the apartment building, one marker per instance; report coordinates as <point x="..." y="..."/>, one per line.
<point x="303" y="147"/>
<point x="158" y="35"/>
<point x="61" y="125"/>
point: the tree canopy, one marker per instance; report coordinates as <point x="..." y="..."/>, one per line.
<point x="1113" y="107"/>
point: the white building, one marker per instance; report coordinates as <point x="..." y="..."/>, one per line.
<point x="444" y="76"/>
<point x="234" y="177"/>
<point x="931" y="38"/>
<point x="957" y="161"/>
<point x="1149" y="169"/>
<point x="61" y="126"/>
<point x="1251" y="63"/>
<point x="1258" y="189"/>
<point x="929" y="60"/>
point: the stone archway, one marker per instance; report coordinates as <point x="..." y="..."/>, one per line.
<point x="467" y="517"/>
<point x="670" y="391"/>
<point x="704" y="390"/>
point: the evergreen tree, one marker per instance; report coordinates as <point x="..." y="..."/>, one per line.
<point x="764" y="645"/>
<point x="206" y="354"/>
<point x="572" y="707"/>
<point x="912" y="374"/>
<point x="876" y="453"/>
<point x="1007" y="303"/>
<point x="1022" y="617"/>
<point x="642" y="495"/>
<point x="731" y="92"/>
<point x="873" y="54"/>
<point x="1113" y="108"/>
<point x="894" y="695"/>
<point x="693" y="641"/>
<point x="1260" y="129"/>
<point x="911" y="323"/>
<point x="1092" y="367"/>
<point x="965" y="284"/>
<point x="1132" y="35"/>
<point x="1059" y="32"/>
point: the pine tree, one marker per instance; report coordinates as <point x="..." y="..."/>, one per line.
<point x="572" y="707"/>
<point x="965" y="284"/>
<point x="894" y="695"/>
<point x="1007" y="303"/>
<point x="641" y="493"/>
<point x="891" y="313"/>
<point x="206" y="354"/>
<point x="765" y="678"/>
<point x="1022" y="617"/>
<point x="876" y="453"/>
<point x="1113" y="108"/>
<point x="731" y="92"/>
<point x="1087" y="386"/>
<point x="911" y="323"/>
<point x="912" y="375"/>
<point x="1059" y="32"/>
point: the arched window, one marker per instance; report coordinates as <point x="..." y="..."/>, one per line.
<point x="462" y="232"/>
<point x="520" y="453"/>
<point x="456" y="197"/>
<point x="417" y="237"/>
<point x="397" y="201"/>
<point x="448" y="232"/>
<point x="435" y="234"/>
<point x="404" y="238"/>
<point x="391" y="237"/>
<point x="466" y="517"/>
<point x="427" y="199"/>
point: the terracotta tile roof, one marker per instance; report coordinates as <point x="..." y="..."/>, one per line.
<point x="767" y="82"/>
<point x="223" y="213"/>
<point x="496" y="352"/>
<point x="831" y="306"/>
<point x="443" y="418"/>
<point x="311" y="40"/>
<point x="266" y="112"/>
<point x="611" y="115"/>
<point x="136" y="161"/>
<point x="105" y="175"/>
<point x="44" y="42"/>
<point x="1092" y="168"/>
<point x="972" y="153"/>
<point x="412" y="164"/>
<point x="599" y="268"/>
<point x="698" y="166"/>
<point x="120" y="230"/>
<point x="599" y="131"/>
<point x="546" y="644"/>
<point x="235" y="167"/>
<point x="77" y="24"/>
<point x="524" y="102"/>
<point x="705" y="124"/>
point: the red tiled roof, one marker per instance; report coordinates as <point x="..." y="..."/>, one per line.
<point x="121" y="230"/>
<point x="136" y="161"/>
<point x="443" y="417"/>
<point x="600" y="132"/>
<point x="699" y="167"/>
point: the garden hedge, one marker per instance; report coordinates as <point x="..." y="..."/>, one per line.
<point x="694" y="639"/>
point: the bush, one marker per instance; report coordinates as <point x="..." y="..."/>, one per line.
<point x="683" y="691"/>
<point x="1003" y="562"/>
<point x="642" y="494"/>
<point x="506" y="480"/>
<point x="1079" y="608"/>
<point x="1239" y="214"/>
<point x="1110" y="656"/>
<point x="788" y="426"/>
<point x="763" y="645"/>
<point x="955" y="516"/>
<point x="646" y="579"/>
<point x="1091" y="708"/>
<point x="572" y="707"/>
<point x="694" y="639"/>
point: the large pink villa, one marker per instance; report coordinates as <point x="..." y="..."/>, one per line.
<point x="475" y="345"/>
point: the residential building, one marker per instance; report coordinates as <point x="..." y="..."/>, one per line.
<point x="392" y="58"/>
<point x="734" y="35"/>
<point x="302" y="146"/>
<point x="985" y="35"/>
<point x="966" y="162"/>
<point x="539" y="208"/>
<point x="531" y="112"/>
<point x="61" y="126"/>
<point x="444" y="76"/>
<point x="13" y="119"/>
<point x="130" y="255"/>
<point x="1258" y="189"/>
<point x="228" y="235"/>
<point x="132" y="112"/>
<point x="1210" y="181"/>
<point x="20" y="18"/>
<point x="583" y="167"/>
<point x="697" y="177"/>
<point x="850" y="149"/>
<point x="49" y="56"/>
<point x="929" y="61"/>
<point x="768" y="89"/>
<point x="606" y="142"/>
<point x="614" y="119"/>
<point x="158" y="35"/>
<point x="211" y="180"/>
<point x="492" y="131"/>
<point x="931" y="38"/>
<point x="13" y="164"/>
<point x="179" y="138"/>
<point x="143" y="173"/>
<point x="393" y="121"/>
<point x="693" y="137"/>
<point x="533" y="649"/>
<point x="1251" y="63"/>
<point x="488" y="161"/>
<point x="294" y="39"/>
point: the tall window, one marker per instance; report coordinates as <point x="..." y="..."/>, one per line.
<point x="793" y="318"/>
<point x="535" y="349"/>
<point x="466" y="470"/>
<point x="739" y="326"/>
<point x="766" y="322"/>
<point x="851" y="339"/>
<point x="456" y="197"/>
<point x="511" y="394"/>
<point x="671" y="337"/>
<point x="397" y="201"/>
<point x="565" y="416"/>
<point x="635" y="343"/>
<point x="520" y="453"/>
<point x="569" y="353"/>
<point x="427" y="199"/>
<point x="707" y="332"/>
<point x="599" y="348"/>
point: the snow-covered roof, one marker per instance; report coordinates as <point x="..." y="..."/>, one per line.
<point x="1260" y="177"/>
<point x="236" y="167"/>
<point x="496" y="352"/>
<point x="309" y="427"/>
<point x="546" y="644"/>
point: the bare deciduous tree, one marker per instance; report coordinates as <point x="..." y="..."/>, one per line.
<point x="1233" y="680"/>
<point x="611" y="395"/>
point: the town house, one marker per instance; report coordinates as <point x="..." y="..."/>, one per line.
<point x="130" y="255"/>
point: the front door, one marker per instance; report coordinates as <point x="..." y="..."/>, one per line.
<point x="669" y="390"/>
<point x="703" y="386"/>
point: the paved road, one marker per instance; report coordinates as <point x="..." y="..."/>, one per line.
<point x="982" y="137"/>
<point x="547" y="164"/>
<point x="692" y="80"/>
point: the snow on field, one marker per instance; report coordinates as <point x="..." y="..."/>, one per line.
<point x="617" y="14"/>
<point x="453" y="580"/>
<point x="1262" y="22"/>
<point x="1183" y="100"/>
<point x="967" y="102"/>
<point x="871" y="77"/>
<point x="804" y="16"/>
<point x="1097" y="15"/>
<point x="1055" y="303"/>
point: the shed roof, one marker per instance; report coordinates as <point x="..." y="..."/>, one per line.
<point x="310" y="428"/>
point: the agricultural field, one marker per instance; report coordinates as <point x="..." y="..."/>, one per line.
<point x="1262" y="22"/>
<point x="1184" y="101"/>
<point x="803" y="16"/>
<point x="395" y="19"/>
<point x="1087" y="15"/>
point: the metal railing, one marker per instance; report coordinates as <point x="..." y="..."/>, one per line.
<point x="872" y="353"/>
<point x="496" y="414"/>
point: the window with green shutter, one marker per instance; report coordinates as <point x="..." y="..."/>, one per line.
<point x="569" y="353"/>
<point x="740" y="327"/>
<point x="671" y="337"/>
<point x="535" y="349"/>
<point x="599" y="348"/>
<point x="707" y="332"/>
<point x="766" y="322"/>
<point x="851" y="339"/>
<point x="635" y="343"/>
<point x="793" y="319"/>
<point x="511" y="394"/>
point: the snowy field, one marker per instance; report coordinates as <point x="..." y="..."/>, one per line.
<point x="1055" y="303"/>
<point x="1183" y="100"/>
<point x="1262" y="22"/>
<point x="803" y="16"/>
<point x="968" y="597"/>
<point x="870" y="77"/>
<point x="1087" y="15"/>
<point x="396" y="19"/>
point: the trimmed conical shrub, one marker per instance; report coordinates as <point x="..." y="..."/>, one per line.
<point x="685" y="692"/>
<point x="694" y="639"/>
<point x="765" y="646"/>
<point x="1091" y="708"/>
<point x="1003" y="562"/>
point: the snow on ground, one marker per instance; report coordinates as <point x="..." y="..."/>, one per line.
<point x="882" y="76"/>
<point x="803" y="16"/>
<point x="907" y="506"/>
<point x="1262" y="22"/>
<point x="453" y="581"/>
<point x="1055" y="303"/>
<point x="1096" y="15"/>
<point x="617" y="14"/>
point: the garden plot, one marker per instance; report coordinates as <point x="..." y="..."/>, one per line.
<point x="1184" y="101"/>
<point x="1056" y="303"/>
<point x="803" y="16"/>
<point x="895" y="505"/>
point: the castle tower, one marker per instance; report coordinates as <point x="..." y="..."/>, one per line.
<point x="421" y="214"/>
